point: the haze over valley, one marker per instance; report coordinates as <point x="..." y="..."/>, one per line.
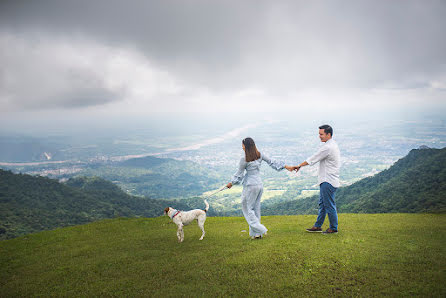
<point x="169" y="166"/>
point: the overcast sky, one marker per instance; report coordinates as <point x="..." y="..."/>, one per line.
<point x="271" y="58"/>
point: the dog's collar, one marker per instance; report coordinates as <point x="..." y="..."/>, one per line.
<point x="175" y="213"/>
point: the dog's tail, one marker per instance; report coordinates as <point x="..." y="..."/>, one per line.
<point x="207" y="206"/>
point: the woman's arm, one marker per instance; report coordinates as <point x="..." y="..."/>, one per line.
<point x="237" y="178"/>
<point x="276" y="165"/>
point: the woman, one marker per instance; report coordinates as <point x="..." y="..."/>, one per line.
<point x="252" y="185"/>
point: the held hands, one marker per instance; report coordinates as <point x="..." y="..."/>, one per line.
<point x="292" y="168"/>
<point x="296" y="168"/>
<point x="289" y="168"/>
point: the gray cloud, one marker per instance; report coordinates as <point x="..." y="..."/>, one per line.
<point x="278" y="47"/>
<point x="36" y="76"/>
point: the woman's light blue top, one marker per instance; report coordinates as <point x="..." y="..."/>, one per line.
<point x="252" y="175"/>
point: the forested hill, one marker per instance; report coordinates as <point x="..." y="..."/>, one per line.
<point x="415" y="183"/>
<point x="30" y="204"/>
<point x="161" y="178"/>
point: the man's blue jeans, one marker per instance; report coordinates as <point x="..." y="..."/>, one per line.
<point x="327" y="205"/>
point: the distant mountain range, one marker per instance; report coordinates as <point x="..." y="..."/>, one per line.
<point x="415" y="183"/>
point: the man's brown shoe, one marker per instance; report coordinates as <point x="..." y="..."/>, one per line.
<point x="330" y="231"/>
<point x="314" y="230"/>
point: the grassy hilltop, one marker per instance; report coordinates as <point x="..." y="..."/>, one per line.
<point x="373" y="255"/>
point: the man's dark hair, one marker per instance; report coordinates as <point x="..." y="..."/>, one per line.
<point x="327" y="129"/>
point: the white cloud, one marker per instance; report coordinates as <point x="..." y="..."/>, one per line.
<point x="222" y="58"/>
<point x="44" y="73"/>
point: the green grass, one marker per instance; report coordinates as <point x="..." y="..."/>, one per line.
<point x="373" y="255"/>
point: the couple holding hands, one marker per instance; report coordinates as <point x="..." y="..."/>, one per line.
<point x="248" y="173"/>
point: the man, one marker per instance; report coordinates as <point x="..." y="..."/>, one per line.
<point x="329" y="159"/>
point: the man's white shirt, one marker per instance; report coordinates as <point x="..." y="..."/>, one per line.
<point x="329" y="159"/>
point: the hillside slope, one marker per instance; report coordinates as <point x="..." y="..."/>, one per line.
<point x="415" y="183"/>
<point x="162" y="178"/>
<point x="375" y="255"/>
<point x="29" y="204"/>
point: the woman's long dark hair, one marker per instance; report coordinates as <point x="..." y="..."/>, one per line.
<point x="251" y="152"/>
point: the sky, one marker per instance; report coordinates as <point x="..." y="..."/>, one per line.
<point x="65" y="63"/>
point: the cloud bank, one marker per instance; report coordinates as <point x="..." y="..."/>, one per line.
<point x="186" y="56"/>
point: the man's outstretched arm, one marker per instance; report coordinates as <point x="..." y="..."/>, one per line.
<point x="297" y="168"/>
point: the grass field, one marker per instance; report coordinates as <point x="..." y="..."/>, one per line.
<point x="373" y="255"/>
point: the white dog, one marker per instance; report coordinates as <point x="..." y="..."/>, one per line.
<point x="183" y="218"/>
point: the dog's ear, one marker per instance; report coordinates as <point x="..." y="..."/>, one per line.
<point x="166" y="210"/>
